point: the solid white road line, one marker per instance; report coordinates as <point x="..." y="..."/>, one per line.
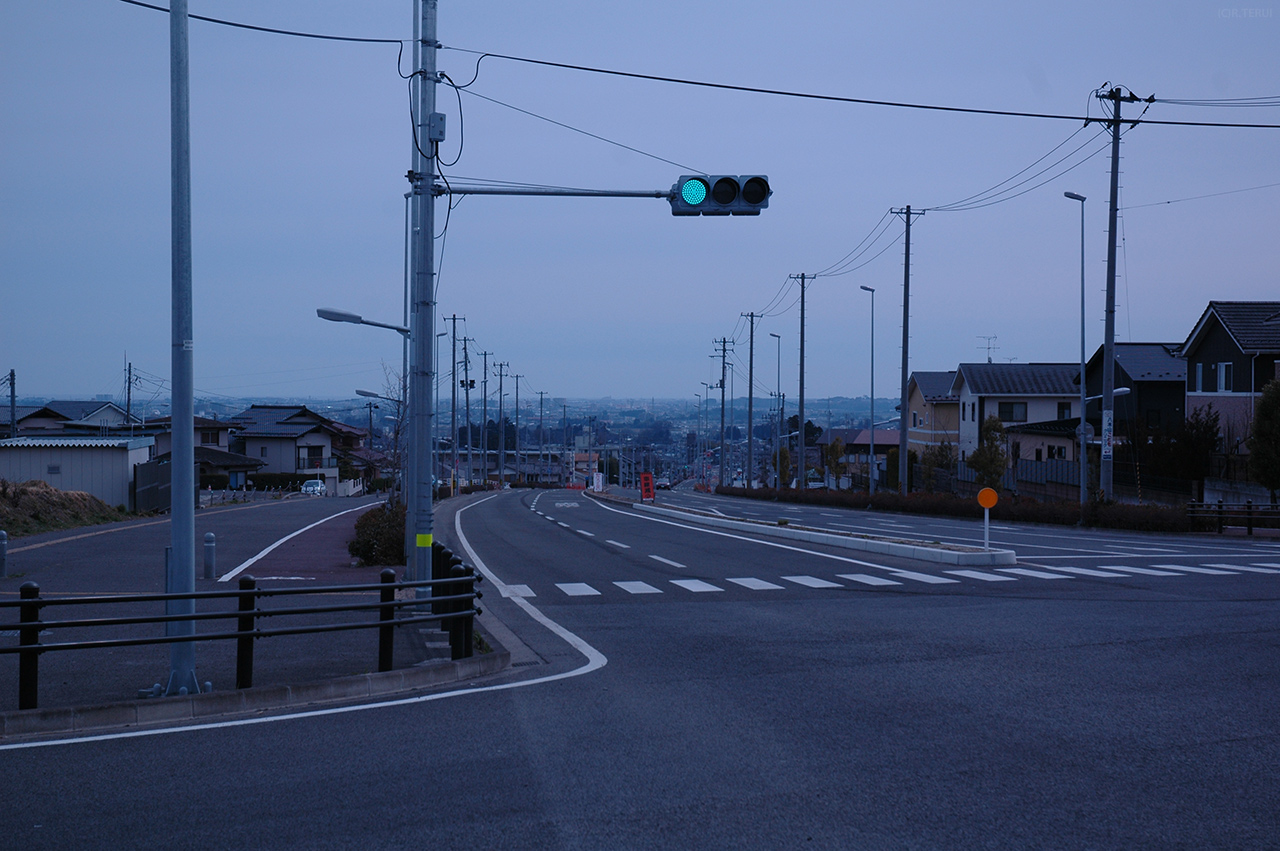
<point x="667" y="561"/>
<point x="755" y="584"/>
<point x="234" y="573"/>
<point x="695" y="585"/>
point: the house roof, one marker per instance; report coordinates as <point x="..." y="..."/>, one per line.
<point x="74" y="409"/>
<point x="200" y="422"/>
<point x="77" y="442"/>
<point x="280" y="421"/>
<point x="1017" y="379"/>
<point x="1147" y="361"/>
<point x="25" y="411"/>
<point x="1254" y="325"/>
<point x="221" y="458"/>
<point x="859" y="436"/>
<point x="1049" y="428"/>
<point x="935" y="386"/>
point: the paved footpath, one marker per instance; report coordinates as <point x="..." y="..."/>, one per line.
<point x="128" y="558"/>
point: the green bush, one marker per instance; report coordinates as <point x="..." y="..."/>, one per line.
<point x="380" y="535"/>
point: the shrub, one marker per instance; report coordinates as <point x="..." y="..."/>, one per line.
<point x="380" y="535"/>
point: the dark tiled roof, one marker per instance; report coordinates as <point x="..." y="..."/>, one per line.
<point x="1052" y="428"/>
<point x="1255" y="325"/>
<point x="22" y="412"/>
<point x="285" y="430"/>
<point x="74" y="409"/>
<point x="1151" y="361"/>
<point x="935" y="386"/>
<point x="1019" y="379"/>
<point x="221" y="458"/>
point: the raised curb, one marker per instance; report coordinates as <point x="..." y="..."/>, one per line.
<point x="967" y="557"/>
<point x="161" y="710"/>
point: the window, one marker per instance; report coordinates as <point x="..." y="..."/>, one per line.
<point x="1057" y="452"/>
<point x="1225" y="374"/>
<point x="1038" y="456"/>
<point x="973" y="411"/>
<point x="208" y="437"/>
<point x="962" y="412"/>
<point x="1013" y="412"/>
<point x="1064" y="410"/>
<point x="263" y="452"/>
<point x="1197" y="380"/>
<point x="54" y="470"/>
<point x="915" y="419"/>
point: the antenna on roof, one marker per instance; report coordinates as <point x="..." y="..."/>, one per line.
<point x="990" y="346"/>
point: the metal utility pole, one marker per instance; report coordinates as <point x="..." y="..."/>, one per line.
<point x="517" y="378"/>
<point x="502" y="432"/>
<point x="13" y="405"/>
<point x="751" y="399"/>
<point x="565" y="422"/>
<point x="428" y="132"/>
<point x="180" y="575"/>
<point x="542" y="439"/>
<point x="466" y="387"/>
<point x="453" y="409"/>
<point x="906" y="214"/>
<point x="1117" y="97"/>
<point x="484" y="414"/>
<point x="723" y="343"/>
<point x="800" y="478"/>
<point x="872" y="466"/>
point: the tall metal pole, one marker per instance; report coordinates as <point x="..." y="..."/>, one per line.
<point x="453" y="408"/>
<point x="871" y="455"/>
<point x="906" y="345"/>
<point x="1109" y="339"/>
<point x="484" y="414"/>
<point x="502" y="431"/>
<point x="13" y="405"/>
<point x="800" y="478"/>
<point x="751" y="400"/>
<point x="1081" y="443"/>
<point x="181" y="572"/>
<point x="517" y="378"/>
<point x="724" y="348"/>
<point x="423" y="321"/>
<point x="466" y="385"/>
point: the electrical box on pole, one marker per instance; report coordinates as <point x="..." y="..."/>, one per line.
<point x="720" y="195"/>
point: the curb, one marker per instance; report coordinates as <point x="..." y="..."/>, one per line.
<point x="967" y="557"/>
<point x="167" y="710"/>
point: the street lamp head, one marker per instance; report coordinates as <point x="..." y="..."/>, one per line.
<point x="1073" y="196"/>
<point x="368" y="394"/>
<point x="339" y="315"/>
<point x="868" y="289"/>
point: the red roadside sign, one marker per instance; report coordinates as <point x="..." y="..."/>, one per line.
<point x="646" y="486"/>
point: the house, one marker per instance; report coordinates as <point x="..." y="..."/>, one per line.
<point x="32" y="419"/>
<point x="1230" y="354"/>
<point x="1156" y="376"/>
<point x="101" y="466"/>
<point x="933" y="411"/>
<point x="288" y="439"/>
<point x="1016" y="393"/>
<point x="857" y="450"/>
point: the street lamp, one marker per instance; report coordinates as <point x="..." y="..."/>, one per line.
<point x="777" y="461"/>
<point x="356" y="319"/>
<point x="872" y="467"/>
<point x="1084" y="464"/>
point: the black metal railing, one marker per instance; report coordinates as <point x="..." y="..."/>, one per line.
<point x="452" y="603"/>
<point x="1223" y="514"/>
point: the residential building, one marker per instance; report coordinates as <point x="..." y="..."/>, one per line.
<point x="1016" y="393"/>
<point x="1155" y="375"/>
<point x="289" y="439"/>
<point x="933" y="416"/>
<point x="101" y="466"/>
<point x="1230" y="354"/>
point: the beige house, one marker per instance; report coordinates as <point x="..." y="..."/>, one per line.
<point x="933" y="412"/>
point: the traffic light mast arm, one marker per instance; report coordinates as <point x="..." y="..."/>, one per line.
<point x="441" y="189"/>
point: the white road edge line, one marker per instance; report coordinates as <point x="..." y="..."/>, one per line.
<point x="595" y="661"/>
<point x="233" y="574"/>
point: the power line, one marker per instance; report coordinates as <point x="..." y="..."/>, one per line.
<point x="273" y="30"/>
<point x="1200" y="197"/>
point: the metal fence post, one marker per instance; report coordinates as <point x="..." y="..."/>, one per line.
<point x="387" y="614"/>
<point x="1248" y="513"/>
<point x="4" y="554"/>
<point x="1221" y="518"/>
<point x="29" y="636"/>
<point x="246" y="624"/>
<point x="210" y="556"/>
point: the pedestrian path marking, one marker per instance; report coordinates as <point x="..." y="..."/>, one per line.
<point x="812" y="582"/>
<point x="1196" y="569"/>
<point x="1145" y="571"/>
<point x="868" y="580"/>
<point x="577" y="589"/>
<point x="667" y="561"/>
<point x="1086" y="571"/>
<point x="638" y="588"/>
<point x="617" y="544"/>
<point x="985" y="577"/>
<point x="1246" y="569"/>
<point x="923" y="577"/>
<point x="695" y="585"/>
<point x="520" y="591"/>
<point x="755" y="584"/>
<point x="1034" y="574"/>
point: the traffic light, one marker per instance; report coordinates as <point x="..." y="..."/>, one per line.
<point x="720" y="195"/>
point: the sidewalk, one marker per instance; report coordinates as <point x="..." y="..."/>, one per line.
<point x="96" y="688"/>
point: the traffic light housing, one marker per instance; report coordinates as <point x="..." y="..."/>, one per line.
<point x="720" y="195"/>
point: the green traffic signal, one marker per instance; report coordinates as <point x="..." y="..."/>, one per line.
<point x="694" y="191"/>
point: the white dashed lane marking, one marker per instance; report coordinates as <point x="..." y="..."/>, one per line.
<point x="617" y="544"/>
<point x="667" y="561"/>
<point x="577" y="589"/>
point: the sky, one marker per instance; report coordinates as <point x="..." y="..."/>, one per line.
<point x="299" y="149"/>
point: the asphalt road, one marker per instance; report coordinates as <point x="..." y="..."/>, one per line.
<point x="674" y="687"/>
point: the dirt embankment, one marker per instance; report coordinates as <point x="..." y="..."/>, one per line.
<point x="28" y="508"/>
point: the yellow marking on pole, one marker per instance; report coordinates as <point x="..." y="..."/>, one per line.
<point x="424" y="541"/>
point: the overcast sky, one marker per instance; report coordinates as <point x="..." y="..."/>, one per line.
<point x="299" y="149"/>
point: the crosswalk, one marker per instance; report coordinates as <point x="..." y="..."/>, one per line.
<point x="891" y="577"/>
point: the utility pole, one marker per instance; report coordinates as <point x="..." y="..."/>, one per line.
<point x="466" y="386"/>
<point x="453" y="415"/>
<point x="906" y="214"/>
<point x="13" y="404"/>
<point x="542" y="439"/>
<point x="800" y="479"/>
<point x="484" y="414"/>
<point x="428" y="132"/>
<point x="565" y="422"/>
<point x="502" y="432"/>
<point x="723" y="343"/>
<point x="751" y="399"/>
<point x="1117" y="97"/>
<point x="517" y="378"/>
